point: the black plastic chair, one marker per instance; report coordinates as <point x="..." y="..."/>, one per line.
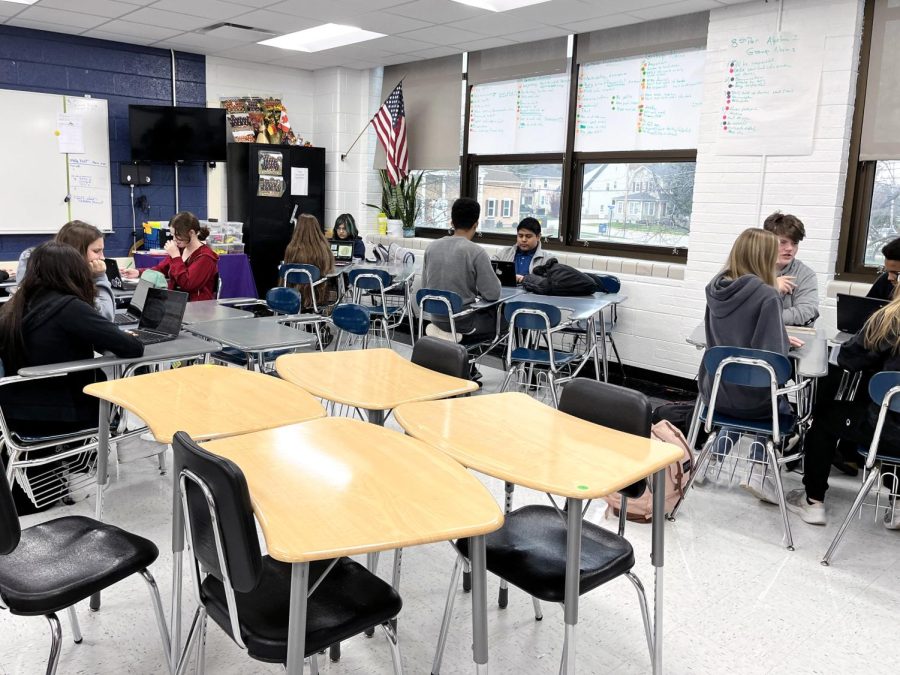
<point x="441" y="356"/>
<point x="529" y="551"/>
<point x="248" y="594"/>
<point x="52" y="566"/>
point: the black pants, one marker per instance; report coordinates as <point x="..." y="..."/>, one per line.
<point x="826" y="389"/>
<point x="833" y="422"/>
<point x="475" y="327"/>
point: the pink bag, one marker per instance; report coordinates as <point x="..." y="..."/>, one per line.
<point x="677" y="475"/>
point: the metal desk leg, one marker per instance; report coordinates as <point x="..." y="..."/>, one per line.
<point x="297" y="618"/>
<point x="376" y="417"/>
<point x="102" y="472"/>
<point x="177" y="562"/>
<point x="657" y="554"/>
<point x="479" y="604"/>
<point x="573" y="578"/>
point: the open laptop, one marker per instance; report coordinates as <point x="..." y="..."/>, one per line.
<point x="136" y="306"/>
<point x="113" y="274"/>
<point x="161" y="316"/>
<point x="343" y="253"/>
<point x="854" y="310"/>
<point x="505" y="271"/>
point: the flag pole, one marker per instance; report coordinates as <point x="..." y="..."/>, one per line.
<point x="353" y="145"/>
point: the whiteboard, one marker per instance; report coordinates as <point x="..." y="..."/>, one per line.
<point x="519" y="116"/>
<point x="36" y="178"/>
<point x="649" y="102"/>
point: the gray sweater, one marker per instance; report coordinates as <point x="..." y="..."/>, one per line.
<point x="508" y="254"/>
<point x="742" y="313"/>
<point x="802" y="306"/>
<point x="456" y="264"/>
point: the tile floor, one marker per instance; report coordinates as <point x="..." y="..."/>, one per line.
<point x="736" y="601"/>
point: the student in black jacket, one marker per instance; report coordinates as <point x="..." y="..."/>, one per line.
<point x="884" y="285"/>
<point x="51" y="319"/>
<point x="875" y="348"/>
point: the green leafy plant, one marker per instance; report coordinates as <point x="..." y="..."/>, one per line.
<point x="398" y="202"/>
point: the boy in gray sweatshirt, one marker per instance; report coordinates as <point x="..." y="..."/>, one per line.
<point x="797" y="283"/>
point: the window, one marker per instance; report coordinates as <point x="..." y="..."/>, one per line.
<point x="884" y="214"/>
<point x="523" y="190"/>
<point x="656" y="212"/>
<point x="437" y="192"/>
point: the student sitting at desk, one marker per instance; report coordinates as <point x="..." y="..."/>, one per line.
<point x="190" y="265"/>
<point x="527" y="252"/>
<point x="872" y="349"/>
<point x="309" y="246"/>
<point x="795" y="281"/>
<point x="455" y="263"/>
<point x="88" y="241"/>
<point x="884" y="285"/>
<point x="345" y="232"/>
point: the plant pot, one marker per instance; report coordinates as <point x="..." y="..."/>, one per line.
<point x="409" y="232"/>
<point x="395" y="227"/>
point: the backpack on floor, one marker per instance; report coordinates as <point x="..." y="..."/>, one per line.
<point x="677" y="475"/>
<point x="680" y="414"/>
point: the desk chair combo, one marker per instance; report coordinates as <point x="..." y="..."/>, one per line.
<point x="530" y="550"/>
<point x="882" y="465"/>
<point x="305" y="275"/>
<point x="248" y="594"/>
<point x="448" y="306"/>
<point x="51" y="567"/>
<point x="378" y="285"/>
<point x="753" y="369"/>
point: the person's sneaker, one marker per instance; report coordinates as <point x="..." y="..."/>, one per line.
<point x="809" y="512"/>
<point x="762" y="487"/>
<point x="892" y="519"/>
<point x="433" y="331"/>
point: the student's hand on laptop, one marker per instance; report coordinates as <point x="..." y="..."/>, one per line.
<point x="786" y="285"/>
<point x="129" y="273"/>
<point x="97" y="267"/>
<point x="795" y="343"/>
<point x="520" y="278"/>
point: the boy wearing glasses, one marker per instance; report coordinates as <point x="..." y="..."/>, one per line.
<point x="797" y="283"/>
<point x="884" y="285"/>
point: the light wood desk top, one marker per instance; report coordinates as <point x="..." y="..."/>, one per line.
<point x="374" y="379"/>
<point x="209" y="401"/>
<point x="513" y="437"/>
<point x="338" y="486"/>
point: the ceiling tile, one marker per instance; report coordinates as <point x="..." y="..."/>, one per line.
<point x="198" y="43"/>
<point x="157" y="17"/>
<point x="107" y="8"/>
<point x="304" y="7"/>
<point x="437" y="52"/>
<point x="486" y="43"/>
<point x="254" y="52"/>
<point x="276" y="22"/>
<point x="560" y="12"/>
<point x="209" y="9"/>
<point x="538" y="34"/>
<point x="440" y="35"/>
<point x="395" y="44"/>
<point x="674" y="9"/>
<point x="389" y="24"/>
<point x="61" y="17"/>
<point x="331" y="12"/>
<point x="600" y="23"/>
<point x="127" y="30"/>
<point x="117" y="37"/>
<point x="400" y="58"/>
<point x="437" y="11"/>
<point x="499" y="23"/>
<point x="252" y="3"/>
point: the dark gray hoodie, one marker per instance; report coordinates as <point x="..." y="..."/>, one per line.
<point x="744" y="312"/>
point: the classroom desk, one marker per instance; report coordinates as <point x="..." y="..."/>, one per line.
<point x="207" y="402"/>
<point x="584" y="308"/>
<point x="506" y="293"/>
<point x="211" y="310"/>
<point x="253" y="336"/>
<point x="376" y="380"/>
<point x="554" y="453"/>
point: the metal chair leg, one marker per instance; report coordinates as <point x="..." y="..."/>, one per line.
<point x="55" y="643"/>
<point x="696" y="471"/>
<point x="188" y="649"/>
<point x="445" y="623"/>
<point x="200" y="666"/>
<point x="538" y="614"/>
<point x="76" y="629"/>
<point x="874" y="475"/>
<point x="391" y="634"/>
<point x="776" y="470"/>
<point x="161" y="458"/>
<point x="551" y="379"/>
<point x="645" y="613"/>
<point x="313" y="664"/>
<point x="467" y="576"/>
<point x="160" y="616"/>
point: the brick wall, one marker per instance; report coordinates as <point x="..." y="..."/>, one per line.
<point x="122" y="74"/>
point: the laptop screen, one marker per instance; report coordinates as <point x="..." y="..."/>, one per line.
<point x="344" y="251"/>
<point x="163" y="311"/>
<point x="136" y="305"/>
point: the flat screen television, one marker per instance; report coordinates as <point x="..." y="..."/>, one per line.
<point x="176" y="133"/>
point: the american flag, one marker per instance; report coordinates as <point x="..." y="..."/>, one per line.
<point x="390" y="125"/>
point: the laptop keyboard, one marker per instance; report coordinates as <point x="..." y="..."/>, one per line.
<point x="149" y="338"/>
<point x="124" y="319"/>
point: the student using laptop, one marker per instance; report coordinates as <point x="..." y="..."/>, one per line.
<point x="345" y="232"/>
<point x="161" y="316"/>
<point x="190" y="265"/>
<point x="884" y="285"/>
<point x="88" y="241"/>
<point x="796" y="283"/>
<point x="527" y="252"/>
<point x="309" y="246"/>
<point x="455" y="263"/>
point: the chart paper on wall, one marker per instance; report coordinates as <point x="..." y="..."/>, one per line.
<point x="769" y="93"/>
<point x="649" y="102"/>
<point x="519" y="116"/>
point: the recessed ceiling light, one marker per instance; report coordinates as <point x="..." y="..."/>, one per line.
<point x="22" y="2"/>
<point x="500" y="5"/>
<point x="326" y="36"/>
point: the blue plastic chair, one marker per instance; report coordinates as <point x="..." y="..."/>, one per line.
<point x="304" y="275"/>
<point x="884" y="390"/>
<point x="283" y="300"/>
<point x="753" y="369"/>
<point x="528" y="323"/>
<point x="442" y="304"/>
<point x="375" y="283"/>
<point x="351" y="318"/>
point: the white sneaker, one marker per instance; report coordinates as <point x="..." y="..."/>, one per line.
<point x="434" y="331"/>
<point x="761" y="487"/>
<point x="809" y="512"/>
<point x="892" y="520"/>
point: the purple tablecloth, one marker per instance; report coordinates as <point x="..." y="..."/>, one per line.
<point x="234" y="269"/>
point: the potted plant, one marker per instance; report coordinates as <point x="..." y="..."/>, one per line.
<point x="398" y="202"/>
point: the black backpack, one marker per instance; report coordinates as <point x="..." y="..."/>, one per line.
<point x="554" y="278"/>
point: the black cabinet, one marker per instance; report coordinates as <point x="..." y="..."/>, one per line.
<point x="267" y="226"/>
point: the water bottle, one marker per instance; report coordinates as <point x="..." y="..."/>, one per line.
<point x="382" y="224"/>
